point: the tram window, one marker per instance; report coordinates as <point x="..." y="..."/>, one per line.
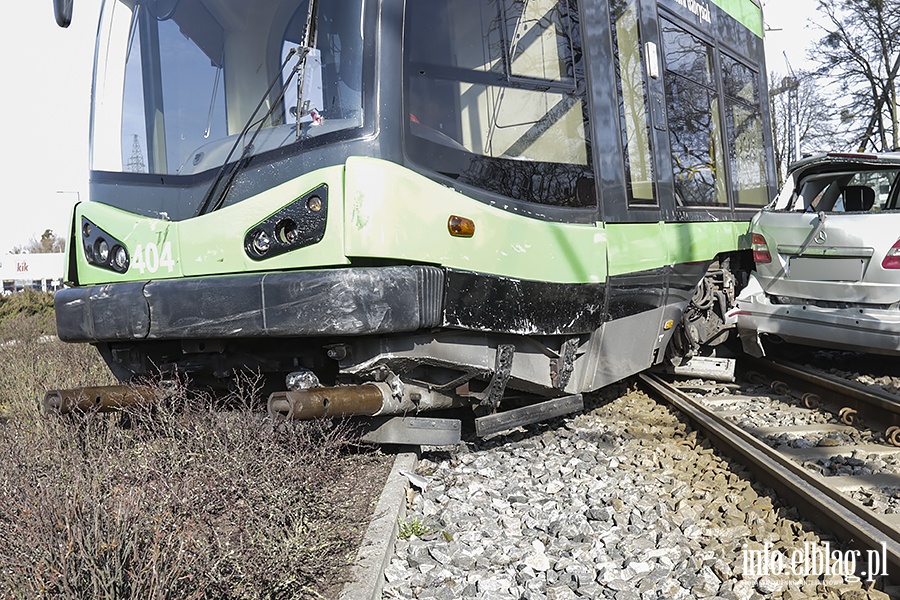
<point x="745" y="134"/>
<point x="633" y="104"/>
<point x="695" y="130"/>
<point x="332" y="72"/>
<point x="170" y="63"/>
<point x="495" y="97"/>
<point x="539" y="42"/>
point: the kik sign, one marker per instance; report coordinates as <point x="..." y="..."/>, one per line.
<point x="32" y="267"/>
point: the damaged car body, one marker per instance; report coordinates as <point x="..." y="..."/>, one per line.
<point x="827" y="258"/>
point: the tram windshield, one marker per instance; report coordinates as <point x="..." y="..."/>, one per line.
<point x="177" y="81"/>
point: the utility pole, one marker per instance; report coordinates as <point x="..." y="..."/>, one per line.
<point x="792" y="85"/>
<point x="789" y="85"/>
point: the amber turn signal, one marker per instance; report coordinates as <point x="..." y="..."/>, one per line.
<point x="461" y="226"/>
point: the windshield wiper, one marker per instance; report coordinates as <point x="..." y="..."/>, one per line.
<point x="208" y="205"/>
<point x="213" y="199"/>
<point x="309" y="42"/>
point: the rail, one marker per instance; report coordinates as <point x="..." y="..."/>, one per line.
<point x="823" y="503"/>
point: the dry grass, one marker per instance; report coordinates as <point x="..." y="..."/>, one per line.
<point x="185" y="502"/>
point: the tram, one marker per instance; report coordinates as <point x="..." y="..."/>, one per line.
<point x="389" y="207"/>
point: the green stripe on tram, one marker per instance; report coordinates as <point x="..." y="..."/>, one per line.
<point x="745" y="12"/>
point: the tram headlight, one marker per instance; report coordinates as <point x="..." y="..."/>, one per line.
<point x="314" y="204"/>
<point x="261" y="242"/>
<point x="120" y="259"/>
<point x="102" y="251"/>
<point x="296" y="225"/>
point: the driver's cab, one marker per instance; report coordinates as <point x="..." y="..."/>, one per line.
<point x="177" y="81"/>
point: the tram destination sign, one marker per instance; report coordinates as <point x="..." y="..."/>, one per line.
<point x="699" y="9"/>
<point x="709" y="14"/>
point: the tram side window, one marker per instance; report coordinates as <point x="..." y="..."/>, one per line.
<point x="695" y="130"/>
<point x="745" y="134"/>
<point x="633" y="103"/>
<point x="495" y="97"/>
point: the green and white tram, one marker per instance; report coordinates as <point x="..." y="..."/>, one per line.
<point x="412" y="205"/>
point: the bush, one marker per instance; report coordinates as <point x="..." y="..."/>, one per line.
<point x="184" y="502"/>
<point x="37" y="306"/>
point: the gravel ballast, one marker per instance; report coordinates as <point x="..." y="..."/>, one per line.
<point x="623" y="502"/>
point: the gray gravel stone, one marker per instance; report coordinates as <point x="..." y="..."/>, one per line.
<point x="560" y="592"/>
<point x="769" y="585"/>
<point x="622" y="502"/>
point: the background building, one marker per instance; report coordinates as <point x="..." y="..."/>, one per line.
<point x="43" y="272"/>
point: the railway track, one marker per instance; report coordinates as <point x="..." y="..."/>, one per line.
<point x="833" y="453"/>
<point x="631" y="499"/>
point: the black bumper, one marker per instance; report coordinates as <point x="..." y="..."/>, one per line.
<point x="350" y="301"/>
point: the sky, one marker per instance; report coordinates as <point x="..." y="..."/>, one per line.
<point x="789" y="32"/>
<point x="47" y="84"/>
<point x="46" y="72"/>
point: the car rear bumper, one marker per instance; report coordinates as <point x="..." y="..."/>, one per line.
<point x="855" y="329"/>
<point x="350" y="301"/>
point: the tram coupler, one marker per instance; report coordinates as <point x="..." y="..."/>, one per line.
<point x="365" y="400"/>
<point x="106" y="398"/>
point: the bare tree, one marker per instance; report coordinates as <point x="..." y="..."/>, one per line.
<point x="802" y="110"/>
<point x="49" y="242"/>
<point x="860" y="53"/>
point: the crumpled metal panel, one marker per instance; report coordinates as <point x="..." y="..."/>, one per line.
<point x="351" y="301"/>
<point x="104" y="312"/>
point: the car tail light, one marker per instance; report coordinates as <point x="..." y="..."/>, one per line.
<point x="892" y="258"/>
<point x="760" y="249"/>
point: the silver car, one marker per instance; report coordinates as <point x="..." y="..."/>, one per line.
<point x="827" y="254"/>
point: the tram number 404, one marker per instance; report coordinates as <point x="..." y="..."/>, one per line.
<point x="151" y="258"/>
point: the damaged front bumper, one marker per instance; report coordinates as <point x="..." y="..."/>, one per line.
<point x="347" y="301"/>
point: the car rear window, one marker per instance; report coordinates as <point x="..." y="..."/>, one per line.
<point x="847" y="192"/>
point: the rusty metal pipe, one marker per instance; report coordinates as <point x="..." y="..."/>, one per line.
<point x="105" y="398"/>
<point x="315" y="403"/>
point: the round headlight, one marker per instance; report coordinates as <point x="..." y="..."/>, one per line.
<point x="120" y="259"/>
<point x="102" y="250"/>
<point x="261" y="242"/>
<point x="286" y="231"/>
